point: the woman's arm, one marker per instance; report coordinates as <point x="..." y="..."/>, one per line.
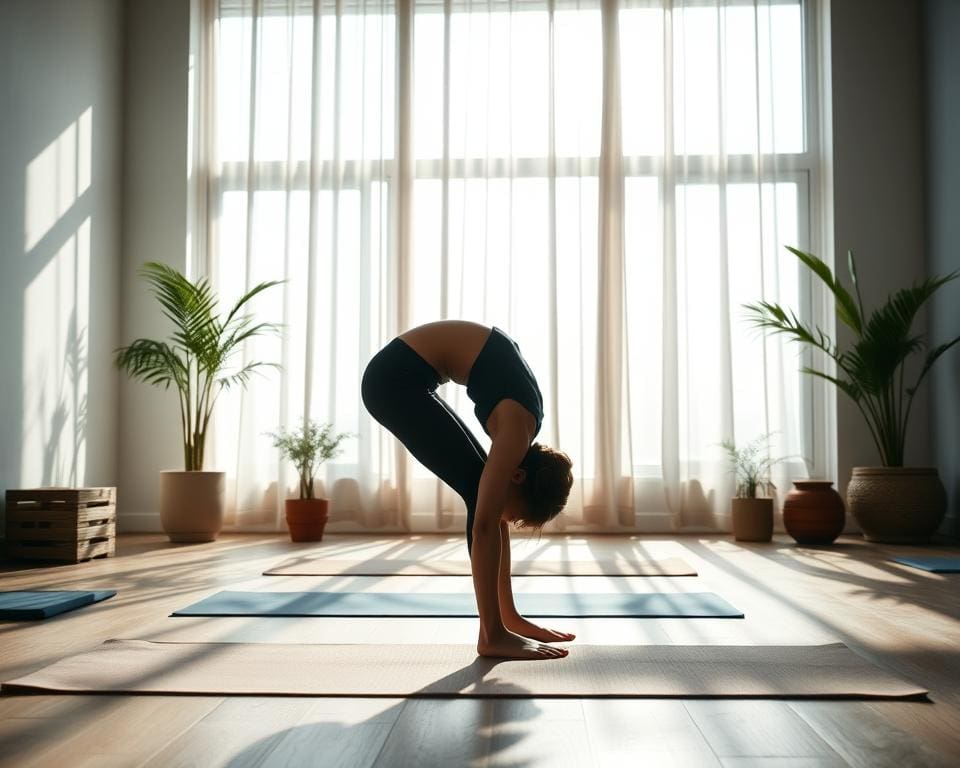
<point x="508" y="610"/>
<point x="506" y="453"/>
<point x="511" y="617"/>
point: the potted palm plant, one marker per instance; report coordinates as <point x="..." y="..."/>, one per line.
<point x="195" y="360"/>
<point x="308" y="446"/>
<point x="751" y="465"/>
<point x="891" y="503"/>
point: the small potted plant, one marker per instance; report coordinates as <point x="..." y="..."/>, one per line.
<point x="752" y="514"/>
<point x="308" y="446"/>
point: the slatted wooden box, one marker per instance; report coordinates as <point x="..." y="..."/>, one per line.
<point x="67" y="524"/>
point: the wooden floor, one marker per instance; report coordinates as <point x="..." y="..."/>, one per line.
<point x="903" y="619"/>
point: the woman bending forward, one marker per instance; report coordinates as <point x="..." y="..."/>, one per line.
<point x="520" y="481"/>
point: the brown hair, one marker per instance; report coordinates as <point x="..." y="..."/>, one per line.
<point x="546" y="486"/>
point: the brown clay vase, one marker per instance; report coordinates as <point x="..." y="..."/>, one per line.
<point x="306" y="518"/>
<point x="752" y="519"/>
<point x="813" y="512"/>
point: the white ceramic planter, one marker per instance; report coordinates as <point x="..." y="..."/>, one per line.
<point x="191" y="504"/>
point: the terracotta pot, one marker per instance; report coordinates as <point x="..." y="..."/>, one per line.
<point x="191" y="505"/>
<point x="753" y="519"/>
<point x="306" y="518"/>
<point x="813" y="512"/>
<point x="898" y="505"/>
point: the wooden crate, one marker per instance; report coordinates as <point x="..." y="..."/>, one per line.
<point x="68" y="524"/>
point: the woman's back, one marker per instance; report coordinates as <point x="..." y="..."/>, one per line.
<point x="450" y="346"/>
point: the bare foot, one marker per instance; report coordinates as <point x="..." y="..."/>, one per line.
<point x="513" y="646"/>
<point x="522" y="627"/>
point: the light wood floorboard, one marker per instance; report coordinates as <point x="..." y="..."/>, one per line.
<point x="905" y="620"/>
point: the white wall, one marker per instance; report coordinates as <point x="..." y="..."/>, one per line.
<point x="942" y="29"/>
<point x="877" y="128"/>
<point x="60" y="91"/>
<point x="154" y="229"/>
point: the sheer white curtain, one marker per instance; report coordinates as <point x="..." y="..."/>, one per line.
<point x="607" y="181"/>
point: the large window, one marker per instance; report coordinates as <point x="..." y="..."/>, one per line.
<point x="400" y="164"/>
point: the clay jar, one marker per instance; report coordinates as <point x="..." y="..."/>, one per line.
<point x="813" y="512"/>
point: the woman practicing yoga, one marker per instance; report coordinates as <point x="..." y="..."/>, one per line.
<point x="520" y="481"/>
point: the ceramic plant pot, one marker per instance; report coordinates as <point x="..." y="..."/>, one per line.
<point x="897" y="505"/>
<point x="306" y="518"/>
<point x="813" y="512"/>
<point x="753" y="519"/>
<point x="191" y="505"/>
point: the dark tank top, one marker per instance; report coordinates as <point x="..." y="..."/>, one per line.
<point x="501" y="373"/>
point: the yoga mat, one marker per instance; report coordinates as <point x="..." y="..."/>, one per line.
<point x="318" y="566"/>
<point x="459" y="604"/>
<point x="43" y="604"/>
<point x="948" y="564"/>
<point x="435" y="671"/>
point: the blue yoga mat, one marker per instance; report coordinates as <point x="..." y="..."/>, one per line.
<point x="946" y="564"/>
<point x="459" y="604"/>
<point x="43" y="604"/>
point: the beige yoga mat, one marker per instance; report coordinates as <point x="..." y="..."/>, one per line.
<point x="625" y="671"/>
<point x="318" y="566"/>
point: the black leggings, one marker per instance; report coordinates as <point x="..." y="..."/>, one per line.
<point x="399" y="390"/>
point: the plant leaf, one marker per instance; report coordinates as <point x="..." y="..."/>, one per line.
<point x="847" y="310"/>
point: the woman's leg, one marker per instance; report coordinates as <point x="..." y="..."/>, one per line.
<point x="472" y="502"/>
<point x="408" y="407"/>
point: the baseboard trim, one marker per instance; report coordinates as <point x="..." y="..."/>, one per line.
<point x="139" y="522"/>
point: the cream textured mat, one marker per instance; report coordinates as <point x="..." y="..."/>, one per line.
<point x="625" y="671"/>
<point x="318" y="566"/>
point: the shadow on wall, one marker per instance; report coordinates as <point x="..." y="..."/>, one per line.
<point x="55" y="309"/>
<point x="59" y="208"/>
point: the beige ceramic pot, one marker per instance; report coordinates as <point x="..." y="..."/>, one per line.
<point x="898" y="505"/>
<point x="753" y="519"/>
<point x="191" y="505"/>
<point x="306" y="518"/>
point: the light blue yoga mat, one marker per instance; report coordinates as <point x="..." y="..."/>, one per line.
<point x="942" y="564"/>
<point x="43" y="604"/>
<point x="460" y="604"/>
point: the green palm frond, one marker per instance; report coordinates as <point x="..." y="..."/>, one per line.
<point x="242" y="377"/>
<point x="871" y="372"/>
<point x="847" y="310"/>
<point x="189" y="306"/>
<point x="932" y="356"/>
<point x="849" y="388"/>
<point x="247" y="297"/>
<point x="198" y="351"/>
<point x="772" y="317"/>
<point x="153" y="362"/>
